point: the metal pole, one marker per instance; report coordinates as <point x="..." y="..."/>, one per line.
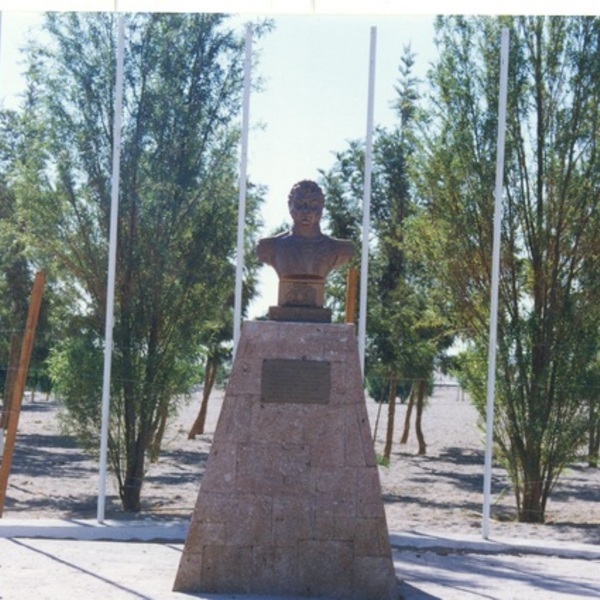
<point x="364" y="265"/>
<point x="237" y="309"/>
<point x="487" y="480"/>
<point x="112" y="256"/>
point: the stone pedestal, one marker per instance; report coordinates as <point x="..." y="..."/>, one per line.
<point x="290" y="503"/>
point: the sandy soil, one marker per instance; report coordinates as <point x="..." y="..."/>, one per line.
<point x="440" y="492"/>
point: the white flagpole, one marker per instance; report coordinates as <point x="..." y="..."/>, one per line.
<point x="237" y="309"/>
<point x="112" y="255"/>
<point x="487" y="482"/>
<point x="364" y="265"/>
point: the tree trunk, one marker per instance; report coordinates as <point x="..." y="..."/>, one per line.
<point x="380" y="404"/>
<point x="131" y="491"/>
<point x="422" y="387"/>
<point x="594" y="448"/>
<point x="407" y="416"/>
<point x="531" y="509"/>
<point x="594" y="435"/>
<point x="210" y="376"/>
<point x="162" y="418"/>
<point x="376" y="428"/>
<point x="387" y="451"/>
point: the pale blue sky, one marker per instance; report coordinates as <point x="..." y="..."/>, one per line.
<point x="315" y="97"/>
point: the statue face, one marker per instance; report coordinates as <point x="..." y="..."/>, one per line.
<point x="306" y="212"/>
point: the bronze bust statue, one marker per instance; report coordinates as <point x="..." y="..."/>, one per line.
<point x="303" y="257"/>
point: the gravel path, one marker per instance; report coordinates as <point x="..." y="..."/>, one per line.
<point x="438" y="492"/>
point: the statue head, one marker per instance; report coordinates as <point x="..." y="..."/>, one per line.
<point x="306" y="202"/>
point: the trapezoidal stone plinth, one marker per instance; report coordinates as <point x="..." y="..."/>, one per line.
<point x="290" y="502"/>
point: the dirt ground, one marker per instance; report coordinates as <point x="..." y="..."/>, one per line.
<point x="440" y="492"/>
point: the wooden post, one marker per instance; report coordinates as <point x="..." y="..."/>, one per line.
<point x="351" y="294"/>
<point x="19" y="387"/>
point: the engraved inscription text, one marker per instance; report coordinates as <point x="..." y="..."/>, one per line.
<point x="295" y="381"/>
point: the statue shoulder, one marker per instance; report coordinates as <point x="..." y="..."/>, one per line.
<point x="339" y="251"/>
<point x="342" y="247"/>
<point x="265" y="248"/>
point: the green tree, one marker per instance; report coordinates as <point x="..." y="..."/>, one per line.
<point x="16" y="276"/>
<point x="342" y="186"/>
<point x="15" y="286"/>
<point x="178" y="204"/>
<point x="547" y="332"/>
<point x="405" y="330"/>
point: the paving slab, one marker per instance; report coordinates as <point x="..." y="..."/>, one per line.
<point x="38" y="564"/>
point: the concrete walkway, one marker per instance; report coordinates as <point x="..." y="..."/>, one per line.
<point x="59" y="560"/>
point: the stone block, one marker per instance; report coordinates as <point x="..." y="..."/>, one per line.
<point x="354" y="446"/>
<point x="374" y="579"/>
<point x="283" y="422"/>
<point x="203" y="533"/>
<point x="329" y="527"/>
<point x="354" y="377"/>
<point x="324" y="435"/>
<point x="341" y="393"/>
<point x="340" y="345"/>
<point x="293" y="520"/>
<point x="220" y="476"/>
<point x="371" y="537"/>
<point x="301" y="340"/>
<point x="251" y="523"/>
<point x="365" y="437"/>
<point x="245" y="378"/>
<point x="273" y="468"/>
<point x="338" y="503"/>
<point x="336" y="480"/>
<point x="188" y="575"/>
<point x="368" y="493"/>
<point x="218" y="574"/>
<point x="234" y="420"/>
<point x="256" y="337"/>
<point x="325" y="568"/>
<point x="213" y="507"/>
<point x="275" y="568"/>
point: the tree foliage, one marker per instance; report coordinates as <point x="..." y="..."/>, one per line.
<point x="406" y="330"/>
<point x="547" y="332"/>
<point x="177" y="210"/>
<point x="16" y="277"/>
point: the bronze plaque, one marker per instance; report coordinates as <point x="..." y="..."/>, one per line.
<point x="295" y="381"/>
